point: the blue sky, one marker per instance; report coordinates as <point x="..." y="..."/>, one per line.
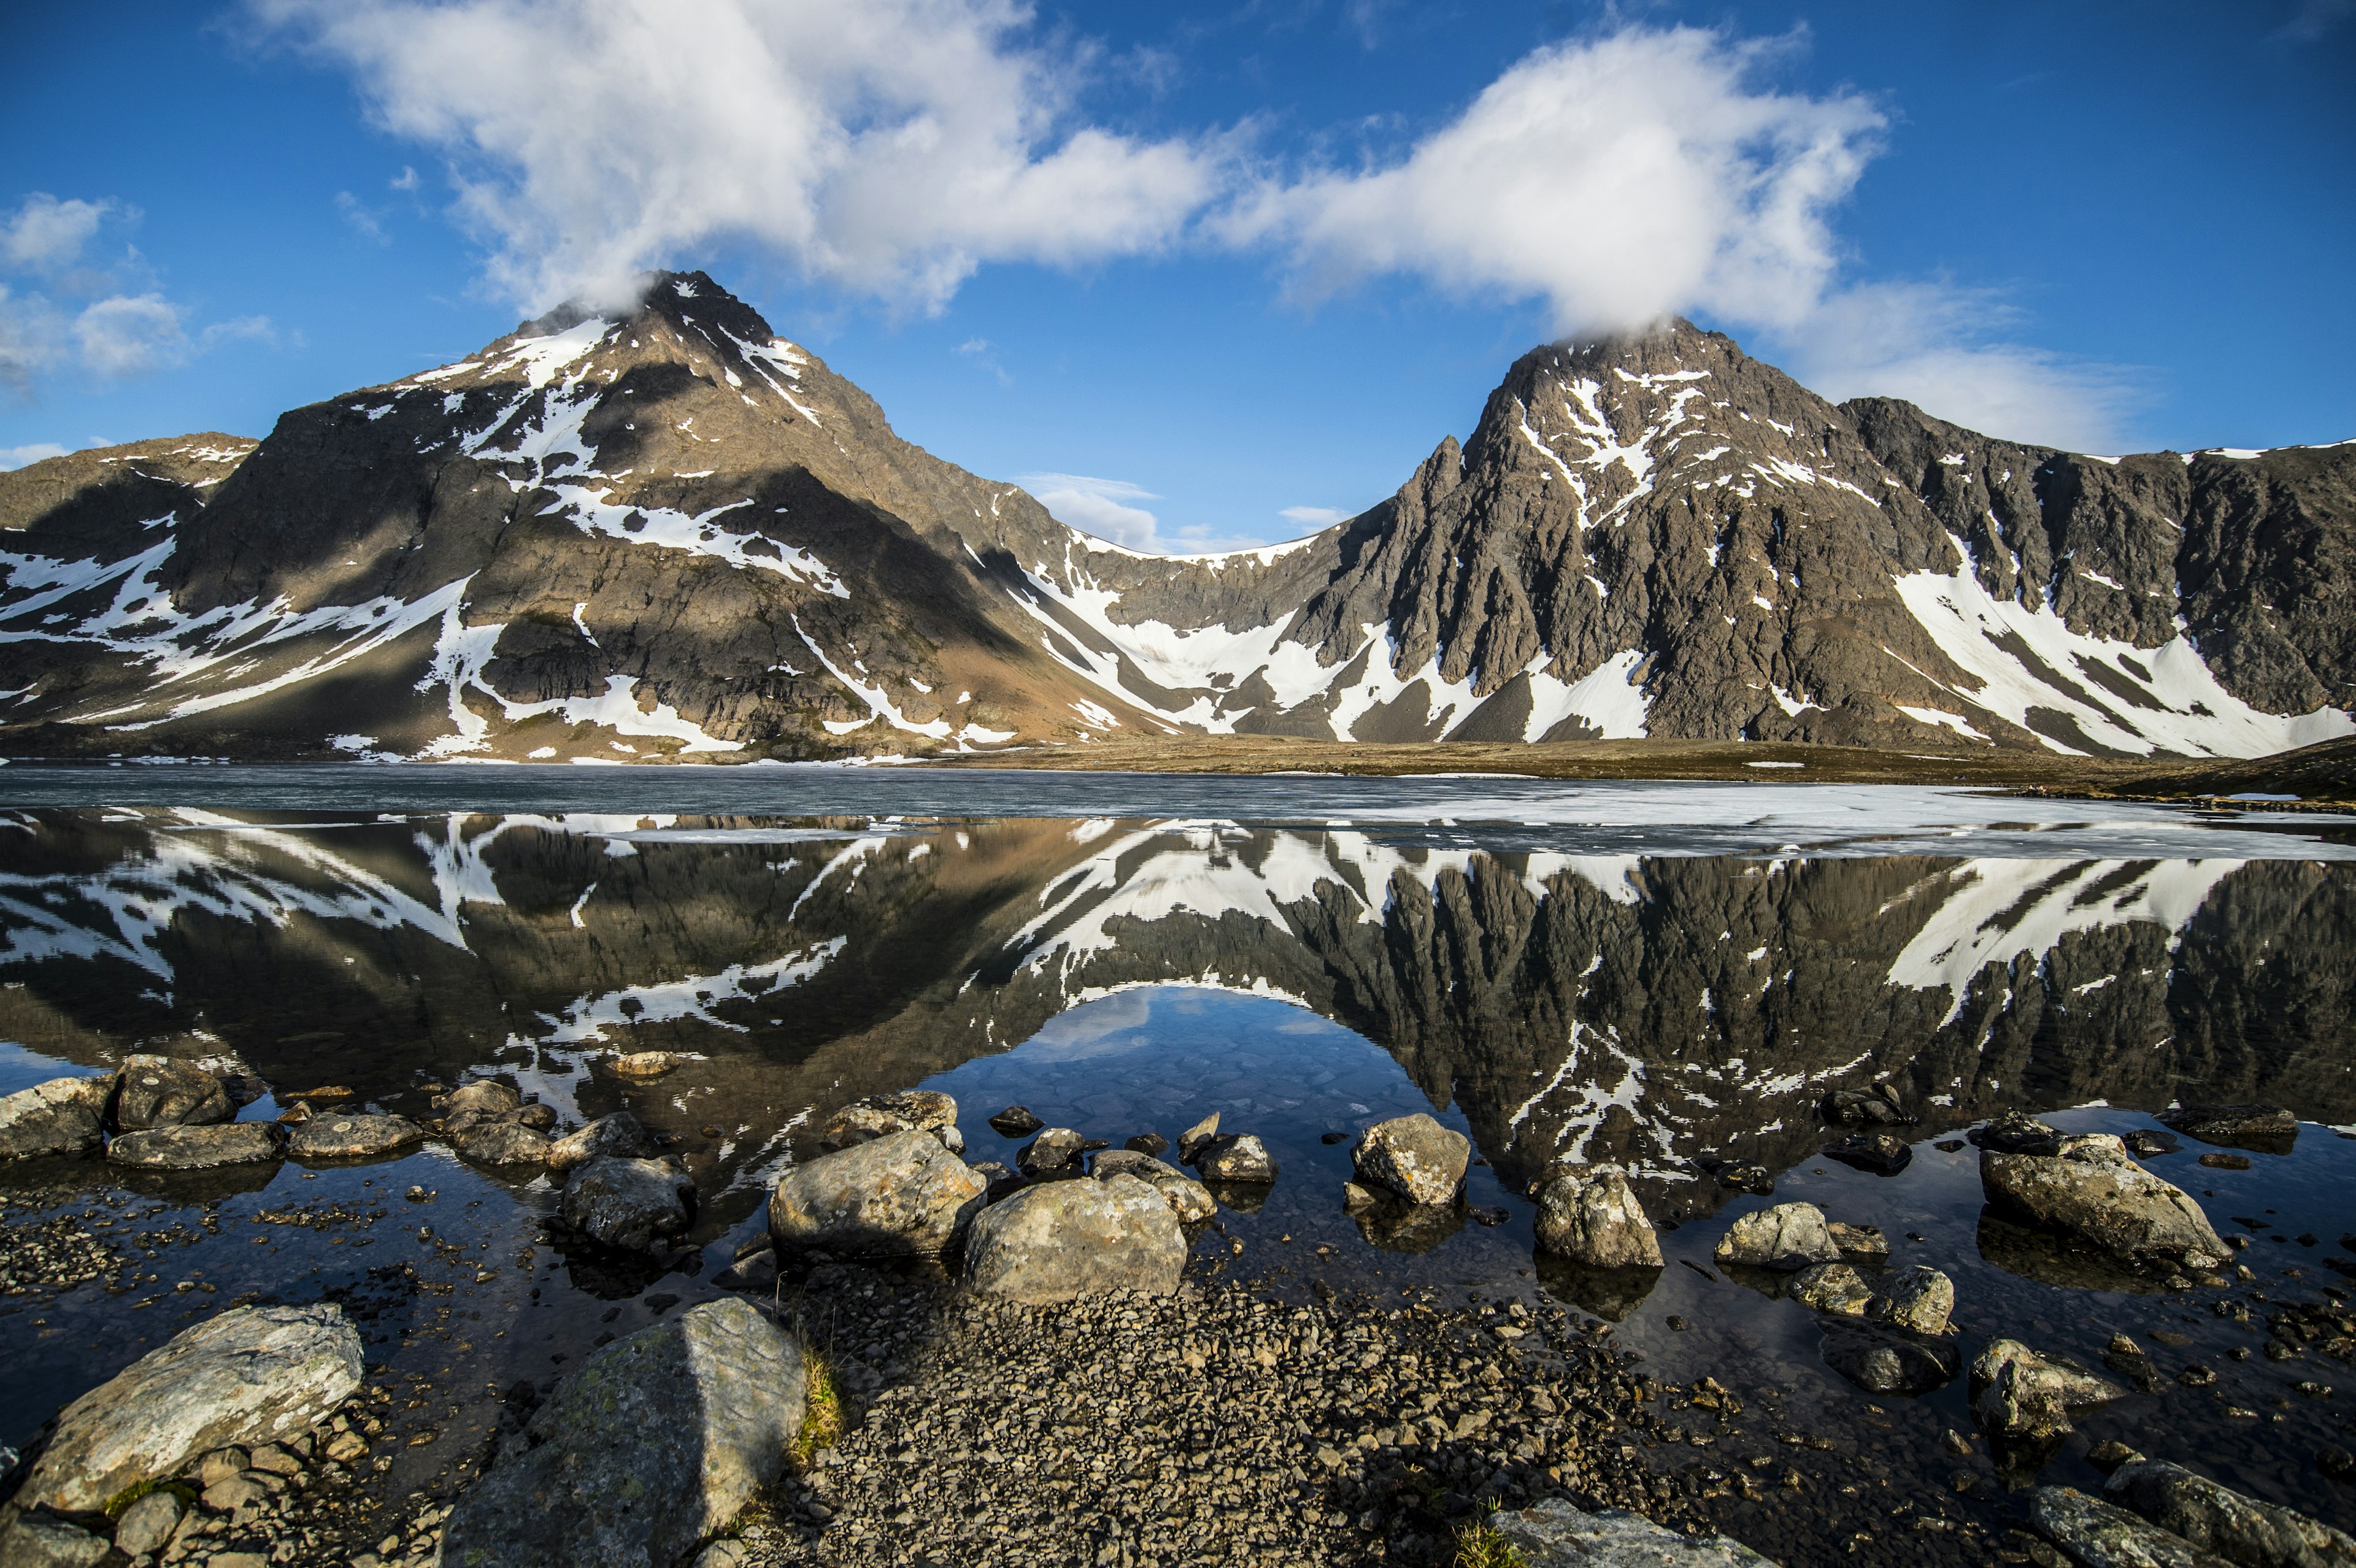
<point x="1203" y="273"/>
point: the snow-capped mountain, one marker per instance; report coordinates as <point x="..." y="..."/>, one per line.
<point x="668" y="533"/>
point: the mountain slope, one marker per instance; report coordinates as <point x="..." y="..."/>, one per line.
<point x="668" y="533"/>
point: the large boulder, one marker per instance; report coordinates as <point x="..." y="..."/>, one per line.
<point x="1589" y="1215"/>
<point x="2219" y="1520"/>
<point x="1415" y="1158"/>
<point x="620" y="1135"/>
<point x="1785" y="1238"/>
<point x="881" y="1116"/>
<point x="199" y="1147"/>
<point x="1062" y="1239"/>
<point x="2097" y="1534"/>
<point x="654" y="1445"/>
<point x="2019" y="1395"/>
<point x="253" y="1374"/>
<point x="638" y="1205"/>
<point x="158" y="1091"/>
<point x="63" y="1116"/>
<point x="2092" y="1189"/>
<point x="342" y="1136"/>
<point x="1188" y="1199"/>
<point x="1556" y="1534"/>
<point x="899" y="1194"/>
<point x="2269" y="1129"/>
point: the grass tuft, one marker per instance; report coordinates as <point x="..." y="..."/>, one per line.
<point x="821" y="1411"/>
<point x="1481" y="1544"/>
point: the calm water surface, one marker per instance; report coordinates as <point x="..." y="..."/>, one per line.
<point x="1660" y="976"/>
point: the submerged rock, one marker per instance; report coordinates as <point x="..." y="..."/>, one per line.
<point x="1786" y="1237"/>
<point x="1414" y="1157"/>
<point x="2146" y="1142"/>
<point x="341" y="1137"/>
<point x="2269" y="1129"/>
<point x="1556" y="1534"/>
<point x="63" y="1116"/>
<point x="1065" y="1239"/>
<point x="2017" y="1393"/>
<point x="881" y="1116"/>
<point x="1152" y="1143"/>
<point x="2219" y="1520"/>
<point x="1883" y="1360"/>
<point x="620" y="1135"/>
<point x="158" y="1091"/>
<point x="1390" y="1222"/>
<point x="1589" y="1215"/>
<point x="1016" y="1122"/>
<point x="656" y="1444"/>
<point x="2091" y="1188"/>
<point x="895" y="1195"/>
<point x="252" y="1374"/>
<point x="1188" y="1199"/>
<point x="1859" y="1240"/>
<point x="499" y="1141"/>
<point x="1612" y="1293"/>
<point x="643" y="1064"/>
<point x="2097" y="1534"/>
<point x="1238" y="1159"/>
<point x="637" y="1205"/>
<point x="198" y="1148"/>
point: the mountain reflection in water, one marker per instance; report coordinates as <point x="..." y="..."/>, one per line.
<point x="1654" y="1011"/>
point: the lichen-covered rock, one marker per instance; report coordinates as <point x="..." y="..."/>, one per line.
<point x="1188" y="1199"/>
<point x="619" y="1134"/>
<point x="1836" y="1288"/>
<point x="2097" y="1534"/>
<point x="881" y="1116"/>
<point x="36" y="1541"/>
<point x="2017" y="1393"/>
<point x="1786" y="1237"/>
<point x="1556" y="1534"/>
<point x="2219" y="1520"/>
<point x="2016" y="1132"/>
<point x="343" y="1136"/>
<point x="1413" y="1157"/>
<point x="643" y="1064"/>
<point x="498" y="1140"/>
<point x="656" y="1444"/>
<point x="2092" y="1188"/>
<point x="253" y="1374"/>
<point x="1065" y="1239"/>
<point x="1872" y="1107"/>
<point x="637" y="1205"/>
<point x="1588" y="1215"/>
<point x="899" y="1194"/>
<point x="1055" y="1149"/>
<point x="63" y="1116"/>
<point x="199" y="1147"/>
<point x="159" y="1092"/>
<point x="1918" y="1298"/>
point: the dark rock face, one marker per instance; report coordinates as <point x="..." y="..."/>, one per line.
<point x="668" y="533"/>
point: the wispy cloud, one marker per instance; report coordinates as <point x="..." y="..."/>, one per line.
<point x="1315" y="517"/>
<point x="984" y="353"/>
<point x="18" y="456"/>
<point x="358" y="219"/>
<point x="101" y="316"/>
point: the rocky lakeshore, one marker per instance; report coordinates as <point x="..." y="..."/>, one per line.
<point x="924" y="1356"/>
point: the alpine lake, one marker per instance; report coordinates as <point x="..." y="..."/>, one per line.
<point x="1671" y="977"/>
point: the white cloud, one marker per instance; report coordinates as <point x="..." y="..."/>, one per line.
<point x="890" y="147"/>
<point x="131" y="335"/>
<point x="1095" y="506"/>
<point x="1315" y="517"/>
<point x="406" y="180"/>
<point x="1620" y="179"/>
<point x="18" y="456"/>
<point x="45" y="235"/>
